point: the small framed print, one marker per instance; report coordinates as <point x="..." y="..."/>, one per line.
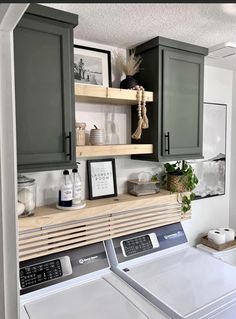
<point x="92" y="66"/>
<point x="101" y="178"/>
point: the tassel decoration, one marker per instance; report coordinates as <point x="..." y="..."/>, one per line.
<point x="142" y="113"/>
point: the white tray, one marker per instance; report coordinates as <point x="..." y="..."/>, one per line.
<point x="74" y="207"/>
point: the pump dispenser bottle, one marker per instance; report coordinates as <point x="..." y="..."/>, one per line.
<point x="76" y="179"/>
<point x="66" y="190"/>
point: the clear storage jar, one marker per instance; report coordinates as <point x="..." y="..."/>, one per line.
<point x="26" y="196"/>
<point x="80" y="133"/>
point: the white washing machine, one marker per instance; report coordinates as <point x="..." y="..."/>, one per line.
<point x="79" y="284"/>
<point x="181" y="280"/>
<point x="228" y="256"/>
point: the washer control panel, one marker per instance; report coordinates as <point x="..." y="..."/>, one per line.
<point x="139" y="244"/>
<point x="38" y="273"/>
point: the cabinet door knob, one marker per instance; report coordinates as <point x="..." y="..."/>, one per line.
<point x="69" y="155"/>
<point x="167" y="143"/>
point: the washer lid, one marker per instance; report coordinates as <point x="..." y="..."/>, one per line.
<point x="189" y="282"/>
<point x="96" y="299"/>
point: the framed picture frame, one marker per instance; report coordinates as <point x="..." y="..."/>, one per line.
<point x="101" y="178"/>
<point x="211" y="171"/>
<point x="92" y="66"/>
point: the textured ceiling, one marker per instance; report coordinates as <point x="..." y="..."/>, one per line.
<point x="125" y="25"/>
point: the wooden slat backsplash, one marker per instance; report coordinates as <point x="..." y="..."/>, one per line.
<point x="52" y="238"/>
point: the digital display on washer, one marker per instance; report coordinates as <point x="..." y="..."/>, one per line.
<point x="139" y="244"/>
<point x="38" y="273"/>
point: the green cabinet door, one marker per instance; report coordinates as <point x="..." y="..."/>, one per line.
<point x="181" y="104"/>
<point x="173" y="70"/>
<point x="45" y="110"/>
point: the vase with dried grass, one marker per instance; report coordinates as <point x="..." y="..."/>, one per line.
<point x="128" y="67"/>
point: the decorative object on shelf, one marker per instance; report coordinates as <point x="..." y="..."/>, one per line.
<point x="97" y="136"/>
<point x="66" y="190"/>
<point x="77" y="187"/>
<point x="92" y="66"/>
<point x="101" y="178"/>
<point x="70" y="192"/>
<point x="80" y="133"/>
<point x="20" y="208"/>
<point x="142" y="113"/>
<point x="229" y="233"/>
<point x="128" y="83"/>
<point x="180" y="178"/>
<point x="217" y="236"/>
<point x="140" y="188"/>
<point x="208" y="242"/>
<point x="128" y="67"/>
<point x="143" y="185"/>
<point x="26" y="196"/>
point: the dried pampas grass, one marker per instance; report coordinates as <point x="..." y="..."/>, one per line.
<point x="129" y="66"/>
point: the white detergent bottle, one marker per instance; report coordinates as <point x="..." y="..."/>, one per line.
<point x="77" y="186"/>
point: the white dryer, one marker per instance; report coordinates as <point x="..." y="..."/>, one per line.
<point x="182" y="281"/>
<point x="79" y="284"/>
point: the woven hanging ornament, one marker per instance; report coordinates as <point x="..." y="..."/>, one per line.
<point x="142" y="113"/>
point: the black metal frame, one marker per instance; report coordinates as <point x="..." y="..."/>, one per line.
<point x="108" y="53"/>
<point x="90" y="190"/>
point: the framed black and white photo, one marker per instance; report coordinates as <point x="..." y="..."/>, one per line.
<point x="101" y="178"/>
<point x="92" y="66"/>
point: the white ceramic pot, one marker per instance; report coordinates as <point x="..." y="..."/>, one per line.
<point x="97" y="137"/>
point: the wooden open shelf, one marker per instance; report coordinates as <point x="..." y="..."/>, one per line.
<point x="101" y="94"/>
<point x="51" y="230"/>
<point x="113" y="150"/>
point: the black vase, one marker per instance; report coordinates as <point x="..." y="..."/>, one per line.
<point x="128" y="83"/>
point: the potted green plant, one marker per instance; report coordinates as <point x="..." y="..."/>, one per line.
<point x="180" y="178"/>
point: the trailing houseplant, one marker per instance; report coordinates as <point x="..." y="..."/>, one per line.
<point x="180" y="178"/>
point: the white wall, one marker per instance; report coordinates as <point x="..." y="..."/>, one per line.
<point x="232" y="199"/>
<point x="214" y="212"/>
<point x="207" y="213"/>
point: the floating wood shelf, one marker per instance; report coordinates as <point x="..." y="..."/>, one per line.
<point x="50" y="230"/>
<point x="100" y="94"/>
<point x="113" y="150"/>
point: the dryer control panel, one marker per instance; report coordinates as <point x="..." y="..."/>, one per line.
<point x="52" y="269"/>
<point x="147" y="242"/>
<point x="139" y="244"/>
<point x="38" y="273"/>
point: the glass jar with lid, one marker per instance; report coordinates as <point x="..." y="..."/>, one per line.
<point x="26" y="196"/>
<point x="80" y="133"/>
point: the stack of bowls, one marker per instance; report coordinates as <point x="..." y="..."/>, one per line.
<point x="97" y="137"/>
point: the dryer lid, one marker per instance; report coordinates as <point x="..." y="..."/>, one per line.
<point x="190" y="282"/>
<point x="96" y="299"/>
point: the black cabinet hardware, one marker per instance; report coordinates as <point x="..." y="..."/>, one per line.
<point x="167" y="143"/>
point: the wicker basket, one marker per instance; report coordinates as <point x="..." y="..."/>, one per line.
<point x="176" y="183"/>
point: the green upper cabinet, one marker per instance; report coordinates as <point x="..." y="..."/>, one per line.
<point x="174" y="71"/>
<point x="45" y="108"/>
